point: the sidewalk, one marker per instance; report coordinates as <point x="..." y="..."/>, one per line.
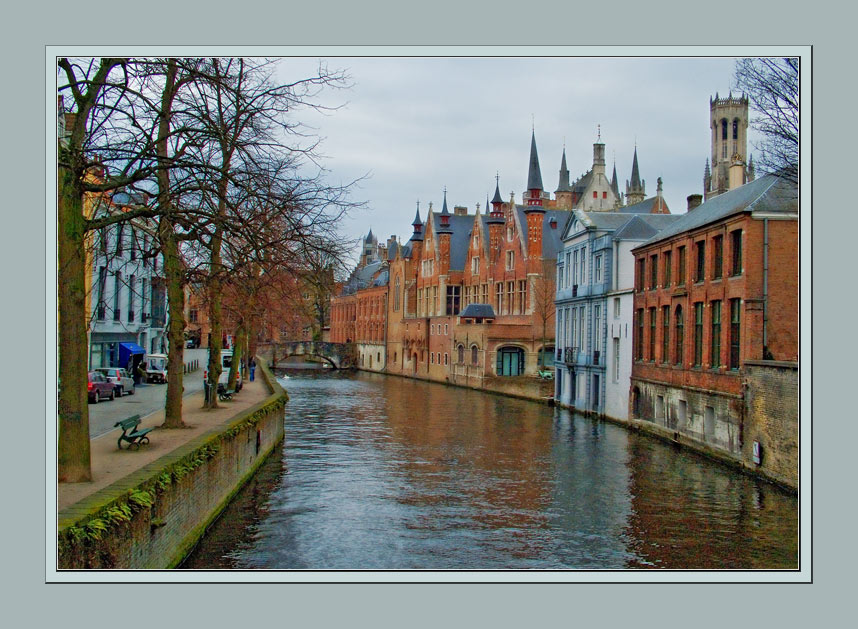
<point x="109" y="464"/>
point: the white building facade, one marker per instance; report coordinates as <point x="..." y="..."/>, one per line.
<point x="595" y="284"/>
<point x="128" y="297"/>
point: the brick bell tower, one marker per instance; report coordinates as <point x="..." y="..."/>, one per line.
<point x="731" y="167"/>
<point x="534" y="211"/>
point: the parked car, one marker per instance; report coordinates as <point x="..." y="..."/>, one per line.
<point x="99" y="387"/>
<point x="122" y="381"/>
<point x="156" y="367"/>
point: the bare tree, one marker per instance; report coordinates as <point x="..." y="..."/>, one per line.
<point x="771" y="85"/>
<point x="104" y="149"/>
<point x="543" y="299"/>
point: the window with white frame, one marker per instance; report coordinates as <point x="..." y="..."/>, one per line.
<point x="510" y="260"/>
<point x="475" y="265"/>
<point x="597" y="269"/>
<point x="616" y="307"/>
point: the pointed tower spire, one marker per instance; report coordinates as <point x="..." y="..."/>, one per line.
<point x="496" y="213"/>
<point x="444" y="216"/>
<point x="418" y="225"/>
<point x="636" y="177"/>
<point x="534" y="175"/>
<point x="635" y="191"/>
<point x="563" y="185"/>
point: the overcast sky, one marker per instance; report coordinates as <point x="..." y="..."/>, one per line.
<point x="416" y="125"/>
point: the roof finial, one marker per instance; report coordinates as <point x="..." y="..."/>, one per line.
<point x="598" y="133"/>
<point x="533" y="123"/>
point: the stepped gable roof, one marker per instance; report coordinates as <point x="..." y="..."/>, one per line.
<point x="769" y="194"/>
<point x="484" y="311"/>
<point x="644" y="226"/>
<point x="534" y="176"/>
<point x="460" y="234"/>
<point x="644" y="207"/>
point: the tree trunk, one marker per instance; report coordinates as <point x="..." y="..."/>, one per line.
<point x="176" y="327"/>
<point x="236" y="358"/>
<point x="215" y="314"/>
<point x="73" y="458"/>
<point x="172" y="262"/>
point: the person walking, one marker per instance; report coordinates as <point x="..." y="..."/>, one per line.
<point x="252" y="369"/>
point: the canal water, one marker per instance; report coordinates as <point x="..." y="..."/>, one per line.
<point x="380" y="472"/>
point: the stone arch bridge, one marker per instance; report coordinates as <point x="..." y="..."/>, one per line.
<point x="338" y="355"/>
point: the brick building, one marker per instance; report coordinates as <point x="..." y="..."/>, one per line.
<point x="717" y="288"/>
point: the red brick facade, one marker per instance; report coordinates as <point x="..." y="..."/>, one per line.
<point x="701" y="297"/>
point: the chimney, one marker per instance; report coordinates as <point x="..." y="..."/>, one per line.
<point x="460" y="210"/>
<point x="694" y="200"/>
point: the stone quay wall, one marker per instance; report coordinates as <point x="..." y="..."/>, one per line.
<point x="771" y="401"/>
<point x="154" y="517"/>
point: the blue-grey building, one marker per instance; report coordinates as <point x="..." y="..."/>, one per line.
<point x="595" y="282"/>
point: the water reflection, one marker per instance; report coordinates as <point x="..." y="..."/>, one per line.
<point x="385" y="472"/>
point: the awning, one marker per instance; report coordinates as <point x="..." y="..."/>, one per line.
<point x="132" y="348"/>
<point x="126" y="351"/>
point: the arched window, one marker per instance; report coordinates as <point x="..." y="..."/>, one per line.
<point x="510" y="361"/>
<point x="461" y="354"/>
<point x="396" y="295"/>
<point x="680" y="339"/>
<point x="475" y="355"/>
<point x="736" y="129"/>
<point x="723" y="128"/>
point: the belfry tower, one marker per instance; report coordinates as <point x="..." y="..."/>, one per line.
<point x="730" y="165"/>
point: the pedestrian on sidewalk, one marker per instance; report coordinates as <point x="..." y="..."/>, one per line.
<point x="252" y="369"/>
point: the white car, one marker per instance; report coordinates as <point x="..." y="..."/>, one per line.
<point x="156" y="367"/>
<point x="123" y="383"/>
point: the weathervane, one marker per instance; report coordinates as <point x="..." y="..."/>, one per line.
<point x="598" y="133"/>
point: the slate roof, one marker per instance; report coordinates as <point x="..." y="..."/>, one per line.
<point x="361" y="278"/>
<point x="382" y="279"/>
<point x="644" y="226"/>
<point x="766" y="194"/>
<point x="460" y="234"/>
<point x="478" y="310"/>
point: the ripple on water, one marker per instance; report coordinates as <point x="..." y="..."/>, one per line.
<point x="385" y="473"/>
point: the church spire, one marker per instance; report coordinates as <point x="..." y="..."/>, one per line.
<point x="636" y="190"/>
<point x="418" y="225"/>
<point x="636" y="177"/>
<point x="563" y="185"/>
<point x="534" y="175"/>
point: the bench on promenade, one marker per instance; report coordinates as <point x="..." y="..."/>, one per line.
<point x="130" y="433"/>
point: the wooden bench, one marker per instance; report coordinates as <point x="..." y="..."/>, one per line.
<point x="225" y="394"/>
<point x="546" y="375"/>
<point x="130" y="433"/>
